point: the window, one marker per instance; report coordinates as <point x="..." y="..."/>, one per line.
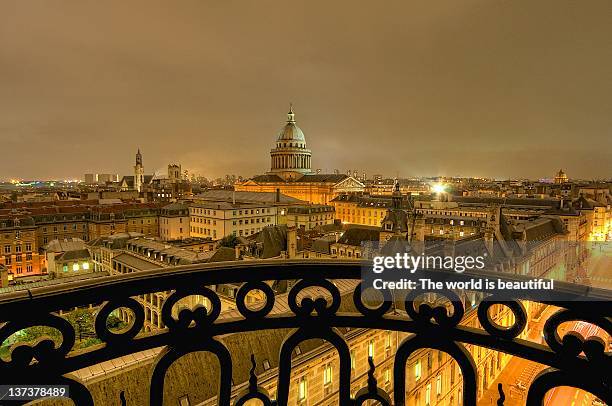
<point x="371" y="349"/>
<point x="19" y="269"/>
<point x="17" y="248"/>
<point x="428" y="395"/>
<point x="28" y="268"/>
<point x="65" y="268"/>
<point x="7" y="249"/>
<point x="75" y="267"/>
<point x="7" y="260"/>
<point x="417" y="370"/>
<point x="85" y="265"/>
<point x="388" y="340"/>
<point x="352" y="359"/>
<point x="28" y="247"/>
<point x="302" y="389"/>
<point x="327" y="374"/>
<point x="184" y="401"/>
<point x="387" y="375"/>
<point x="28" y="256"/>
<point x="18" y="258"/>
<point x="439" y="385"/>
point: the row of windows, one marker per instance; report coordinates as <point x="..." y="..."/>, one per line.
<point x="209" y="212"/>
<point x="206" y="231"/>
<point x="452" y="213"/>
<point x="253" y="221"/>
<point x="76" y="267"/>
<point x="355" y="220"/>
<point x="19" y="269"/>
<point x="364" y="212"/>
<point x="18" y="258"/>
<point x="166" y="221"/>
<point x="65" y="228"/>
<point x="142" y="221"/>
<point x="203" y="221"/>
<point x="18" y="248"/>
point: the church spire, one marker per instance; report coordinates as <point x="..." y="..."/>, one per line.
<point x="138" y="157"/>
<point x="397" y="195"/>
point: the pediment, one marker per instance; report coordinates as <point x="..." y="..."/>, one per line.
<point x="349" y="183"/>
<point x="249" y="182"/>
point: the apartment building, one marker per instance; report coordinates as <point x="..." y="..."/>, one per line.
<point x="219" y="219"/>
<point x="174" y="222"/>
<point x="307" y="217"/>
<point x="19" y="247"/>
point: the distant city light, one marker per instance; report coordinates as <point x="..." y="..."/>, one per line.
<point x="438" y="188"/>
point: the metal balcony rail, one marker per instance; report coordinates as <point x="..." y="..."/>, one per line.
<point x="571" y="361"/>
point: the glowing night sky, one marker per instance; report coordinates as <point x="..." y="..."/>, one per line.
<point x="472" y="88"/>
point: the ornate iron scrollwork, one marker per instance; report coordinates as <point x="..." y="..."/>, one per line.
<point x="314" y="302"/>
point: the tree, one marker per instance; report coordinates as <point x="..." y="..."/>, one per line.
<point x="229" y="241"/>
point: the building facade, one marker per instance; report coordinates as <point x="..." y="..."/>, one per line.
<point x="308" y="217"/>
<point x="174" y="222"/>
<point x="219" y="219"/>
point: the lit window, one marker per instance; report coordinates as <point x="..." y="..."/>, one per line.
<point x="75" y="267"/>
<point x="85" y="265"/>
<point x="327" y="374"/>
<point x="439" y="385"/>
<point x="428" y="395"/>
<point x="417" y="370"/>
<point x="302" y="389"/>
<point x="371" y="349"/>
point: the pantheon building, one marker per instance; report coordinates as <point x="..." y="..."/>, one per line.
<point x="291" y="173"/>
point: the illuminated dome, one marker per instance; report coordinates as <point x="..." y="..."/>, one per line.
<point x="290" y="159"/>
<point x="291" y="132"/>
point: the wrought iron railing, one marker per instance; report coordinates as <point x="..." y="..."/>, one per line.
<point x="572" y="360"/>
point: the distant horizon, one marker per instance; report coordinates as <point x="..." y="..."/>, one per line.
<point x="369" y="177"/>
<point x="471" y="88"/>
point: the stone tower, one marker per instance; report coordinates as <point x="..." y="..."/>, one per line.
<point x="174" y="173"/>
<point x="138" y="172"/>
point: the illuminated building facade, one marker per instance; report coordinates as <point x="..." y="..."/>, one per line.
<point x="290" y="171"/>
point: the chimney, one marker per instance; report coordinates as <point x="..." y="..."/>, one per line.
<point x="277" y="197"/>
<point x="291" y="242"/>
<point x="4" y="280"/>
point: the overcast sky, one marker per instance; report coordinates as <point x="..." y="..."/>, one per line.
<point x="472" y="87"/>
